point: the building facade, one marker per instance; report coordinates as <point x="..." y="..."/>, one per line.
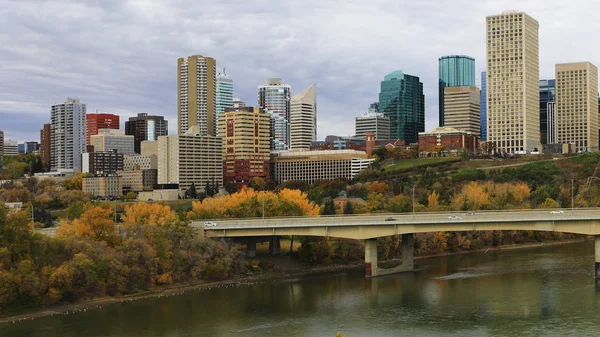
<point x="146" y="128"/>
<point x="197" y="94"/>
<point x="11" y="147"/>
<point x="547" y="99"/>
<point x="102" y="186"/>
<point x="238" y="103"/>
<point x="483" y="107"/>
<point x="246" y="144"/>
<point x="140" y="162"/>
<point x="454" y="71"/>
<point x="138" y="180"/>
<point x="102" y="162"/>
<point x="110" y="139"/>
<point x="513" y="116"/>
<point x="401" y="99"/>
<point x="461" y="105"/>
<point x="224" y="94"/>
<point x="1" y="146"/>
<point x="67" y="135"/>
<point x="45" y="146"/>
<point x="190" y="158"/>
<point x="274" y="99"/>
<point x="95" y="122"/>
<point x="577" y="105"/>
<point x="310" y="166"/>
<point x="303" y="119"/>
<point x="449" y="139"/>
<point x="31" y="147"/>
<point x="372" y="121"/>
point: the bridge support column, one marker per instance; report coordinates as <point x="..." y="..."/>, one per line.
<point x="251" y="247"/>
<point x="275" y="246"/>
<point x="597" y="260"/>
<point x="371" y="258"/>
<point x="408" y="249"/>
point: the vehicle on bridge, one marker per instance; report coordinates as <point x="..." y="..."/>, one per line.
<point x="469" y="213"/>
<point x="558" y="211"/>
<point x="210" y="224"/>
<point x="390" y="219"/>
<point x="454" y="217"/>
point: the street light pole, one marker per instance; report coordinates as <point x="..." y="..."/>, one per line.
<point x="413" y="201"/>
<point x="263" y="212"/>
<point x="572" y="196"/>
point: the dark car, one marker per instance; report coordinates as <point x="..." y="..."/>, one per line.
<point x="390" y="219"/>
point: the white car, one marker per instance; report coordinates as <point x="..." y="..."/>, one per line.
<point x="209" y="224"/>
<point x="558" y="211"/>
<point x="454" y="217"/>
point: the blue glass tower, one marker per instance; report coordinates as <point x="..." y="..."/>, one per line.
<point x="483" y="106"/>
<point x="547" y="94"/>
<point x="454" y="71"/>
<point x="401" y="99"/>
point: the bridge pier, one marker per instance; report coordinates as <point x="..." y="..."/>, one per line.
<point x="597" y="258"/>
<point x="251" y="247"/>
<point x="373" y="270"/>
<point x="275" y="246"/>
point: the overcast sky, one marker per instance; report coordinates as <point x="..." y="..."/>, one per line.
<point x="120" y="56"/>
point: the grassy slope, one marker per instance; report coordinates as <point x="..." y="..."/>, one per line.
<point x="410" y="163"/>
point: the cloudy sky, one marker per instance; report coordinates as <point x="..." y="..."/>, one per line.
<point x="120" y="56"/>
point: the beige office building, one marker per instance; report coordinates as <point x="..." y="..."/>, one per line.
<point x="111" y="139"/>
<point x="190" y="158"/>
<point x="513" y="116"/>
<point x="140" y="162"/>
<point x="310" y="166"/>
<point x="149" y="148"/>
<point x="197" y="95"/>
<point x="303" y="119"/>
<point x="461" y="108"/>
<point x="577" y="105"/>
<point x="372" y="121"/>
<point x="246" y="144"/>
<point x="103" y="186"/>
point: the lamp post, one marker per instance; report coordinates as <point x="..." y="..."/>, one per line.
<point x="572" y="196"/>
<point x="413" y="199"/>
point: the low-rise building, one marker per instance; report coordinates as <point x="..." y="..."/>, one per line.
<point x="11" y="147"/>
<point x="111" y="139"/>
<point x="310" y="166"/>
<point x="102" y="162"/>
<point x="102" y="186"/>
<point x="138" y="180"/>
<point x="140" y="162"/>
<point x="449" y="139"/>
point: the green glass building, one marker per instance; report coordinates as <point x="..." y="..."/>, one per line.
<point x="401" y="99"/>
<point x="454" y="71"/>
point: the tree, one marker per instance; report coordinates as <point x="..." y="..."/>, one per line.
<point x="96" y="223"/>
<point x="16" y="170"/>
<point x="191" y="193"/>
<point x="348" y="208"/>
<point x="433" y="203"/>
<point x="377" y="187"/>
<point x="257" y="183"/>
<point x="131" y="196"/>
<point x="328" y="207"/>
<point x="380" y="153"/>
<point x="141" y="218"/>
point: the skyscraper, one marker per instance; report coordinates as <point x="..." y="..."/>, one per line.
<point x="547" y="93"/>
<point x="274" y="99"/>
<point x="483" y="106"/>
<point x="454" y="71"/>
<point x="303" y="118"/>
<point x="462" y="108"/>
<point x="224" y="94"/>
<point x="513" y="99"/>
<point x="45" y="146"/>
<point x="401" y="100"/>
<point x="144" y="127"/>
<point x="577" y="105"/>
<point x="372" y="121"/>
<point x="95" y="122"/>
<point x="67" y="135"/>
<point x="1" y="146"/>
<point x="196" y="103"/>
<point x="111" y="139"/>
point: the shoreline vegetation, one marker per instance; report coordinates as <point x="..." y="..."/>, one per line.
<point x="178" y="289"/>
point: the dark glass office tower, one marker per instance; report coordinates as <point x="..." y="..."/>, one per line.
<point x="547" y="94"/>
<point x="454" y="71"/>
<point x="401" y="100"/>
<point x="144" y="127"/>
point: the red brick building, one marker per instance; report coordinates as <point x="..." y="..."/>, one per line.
<point x="95" y="122"/>
<point x="45" y="146"/>
<point x="449" y="139"/>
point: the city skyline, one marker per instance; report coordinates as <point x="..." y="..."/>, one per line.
<point x="115" y="85"/>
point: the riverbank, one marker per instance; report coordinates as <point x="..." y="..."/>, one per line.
<point x="285" y="267"/>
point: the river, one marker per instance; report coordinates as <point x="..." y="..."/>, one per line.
<point x="546" y="291"/>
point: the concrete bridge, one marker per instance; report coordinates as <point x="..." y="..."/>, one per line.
<point x="370" y="227"/>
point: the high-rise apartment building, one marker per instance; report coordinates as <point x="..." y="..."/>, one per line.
<point x="190" y="158"/>
<point x="274" y="99"/>
<point x="224" y="94"/>
<point x="483" y="106"/>
<point x="146" y="128"/>
<point x="454" y="71"/>
<point x="95" y="122"/>
<point x="513" y="116"/>
<point x="401" y="99"/>
<point x="197" y="95"/>
<point x="577" y="105"/>
<point x="462" y="109"/>
<point x="1" y="146"/>
<point x="547" y="94"/>
<point x="246" y="144"/>
<point x="372" y="121"/>
<point x="303" y="118"/>
<point x="111" y="139"/>
<point x="45" y="146"/>
<point x="67" y="135"/>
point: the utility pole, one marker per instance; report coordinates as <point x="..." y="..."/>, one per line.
<point x="413" y="190"/>
<point x="263" y="212"/>
<point x="572" y="196"/>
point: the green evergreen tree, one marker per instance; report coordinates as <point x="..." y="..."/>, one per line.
<point x="348" y="208"/>
<point x="328" y="207"/>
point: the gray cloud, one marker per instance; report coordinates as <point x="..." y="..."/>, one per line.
<point x="120" y="56"/>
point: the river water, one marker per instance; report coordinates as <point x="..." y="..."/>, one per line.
<point x="546" y="291"/>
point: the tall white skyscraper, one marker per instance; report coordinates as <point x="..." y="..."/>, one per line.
<point x="67" y="135"/>
<point x="303" y="118"/>
<point x="274" y="98"/>
<point x="224" y="94"/>
<point x="196" y="105"/>
<point x="513" y="73"/>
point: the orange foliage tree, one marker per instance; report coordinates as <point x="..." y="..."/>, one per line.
<point x="96" y="223"/>
<point x="142" y="217"/>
